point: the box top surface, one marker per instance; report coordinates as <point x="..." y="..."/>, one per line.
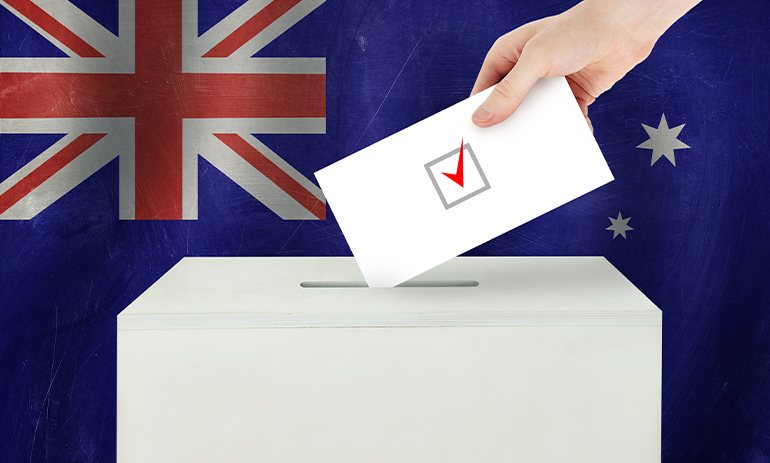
<point x="232" y="292"/>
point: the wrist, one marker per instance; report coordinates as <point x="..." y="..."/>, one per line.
<point x="644" y="20"/>
<point x="630" y="28"/>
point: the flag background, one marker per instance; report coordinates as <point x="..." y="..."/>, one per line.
<point x="700" y="247"/>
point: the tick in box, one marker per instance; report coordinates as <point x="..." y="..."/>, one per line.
<point x="457" y="176"/>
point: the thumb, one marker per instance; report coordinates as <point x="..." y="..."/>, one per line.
<point x="509" y="93"/>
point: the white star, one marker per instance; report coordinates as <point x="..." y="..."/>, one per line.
<point x="663" y="141"/>
<point x="619" y="226"/>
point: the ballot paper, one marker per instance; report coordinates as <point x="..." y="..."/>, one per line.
<point x="444" y="186"/>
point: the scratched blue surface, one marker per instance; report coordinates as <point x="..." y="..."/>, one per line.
<point x="700" y="248"/>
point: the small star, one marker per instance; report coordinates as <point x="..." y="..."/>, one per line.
<point x="663" y="141"/>
<point x="619" y="226"/>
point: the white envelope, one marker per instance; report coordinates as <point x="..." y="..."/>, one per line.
<point x="402" y="215"/>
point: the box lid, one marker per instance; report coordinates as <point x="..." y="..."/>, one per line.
<point x="297" y="292"/>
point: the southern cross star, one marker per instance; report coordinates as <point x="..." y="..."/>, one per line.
<point x="663" y="141"/>
<point x="619" y="226"/>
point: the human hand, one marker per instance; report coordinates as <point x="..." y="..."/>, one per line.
<point x="594" y="45"/>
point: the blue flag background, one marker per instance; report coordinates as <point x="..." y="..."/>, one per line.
<point x="699" y="248"/>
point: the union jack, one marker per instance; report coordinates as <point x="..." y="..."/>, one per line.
<point x="156" y="96"/>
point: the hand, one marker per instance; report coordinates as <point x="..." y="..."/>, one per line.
<point x="593" y="44"/>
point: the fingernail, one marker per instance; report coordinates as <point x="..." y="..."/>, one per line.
<point x="482" y="114"/>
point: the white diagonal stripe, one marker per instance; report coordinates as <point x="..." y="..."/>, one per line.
<point x="284" y="166"/>
<point x="118" y="52"/>
<point x="198" y="139"/>
<point x="39" y="30"/>
<point x="277" y="27"/>
<point x="118" y="142"/>
<point x="227" y="26"/>
<point x="82" y="25"/>
<point x="253" y="181"/>
<point x="241" y="62"/>
<point x="59" y="184"/>
<point x="28" y="168"/>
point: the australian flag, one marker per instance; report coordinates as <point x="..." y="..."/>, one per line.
<point x="137" y="132"/>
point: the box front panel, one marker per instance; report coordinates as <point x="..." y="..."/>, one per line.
<point x="536" y="394"/>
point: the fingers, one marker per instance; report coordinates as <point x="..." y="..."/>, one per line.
<point x="496" y="65"/>
<point x="508" y="94"/>
<point x="583" y="99"/>
<point x="581" y="95"/>
<point x="502" y="56"/>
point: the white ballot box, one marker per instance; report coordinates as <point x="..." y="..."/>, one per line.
<point x="482" y="359"/>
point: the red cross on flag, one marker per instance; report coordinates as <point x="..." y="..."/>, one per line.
<point x="157" y="96"/>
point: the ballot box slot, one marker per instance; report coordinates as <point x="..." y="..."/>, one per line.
<point x="406" y="284"/>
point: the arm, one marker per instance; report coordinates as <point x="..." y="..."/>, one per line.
<point x="594" y="44"/>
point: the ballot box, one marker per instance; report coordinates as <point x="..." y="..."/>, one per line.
<point x="483" y="359"/>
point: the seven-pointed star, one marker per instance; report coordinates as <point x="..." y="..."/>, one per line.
<point x="663" y="141"/>
<point x="619" y="226"/>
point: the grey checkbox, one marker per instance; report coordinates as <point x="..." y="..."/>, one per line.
<point x="469" y="151"/>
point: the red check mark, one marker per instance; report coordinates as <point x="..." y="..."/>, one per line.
<point x="457" y="177"/>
